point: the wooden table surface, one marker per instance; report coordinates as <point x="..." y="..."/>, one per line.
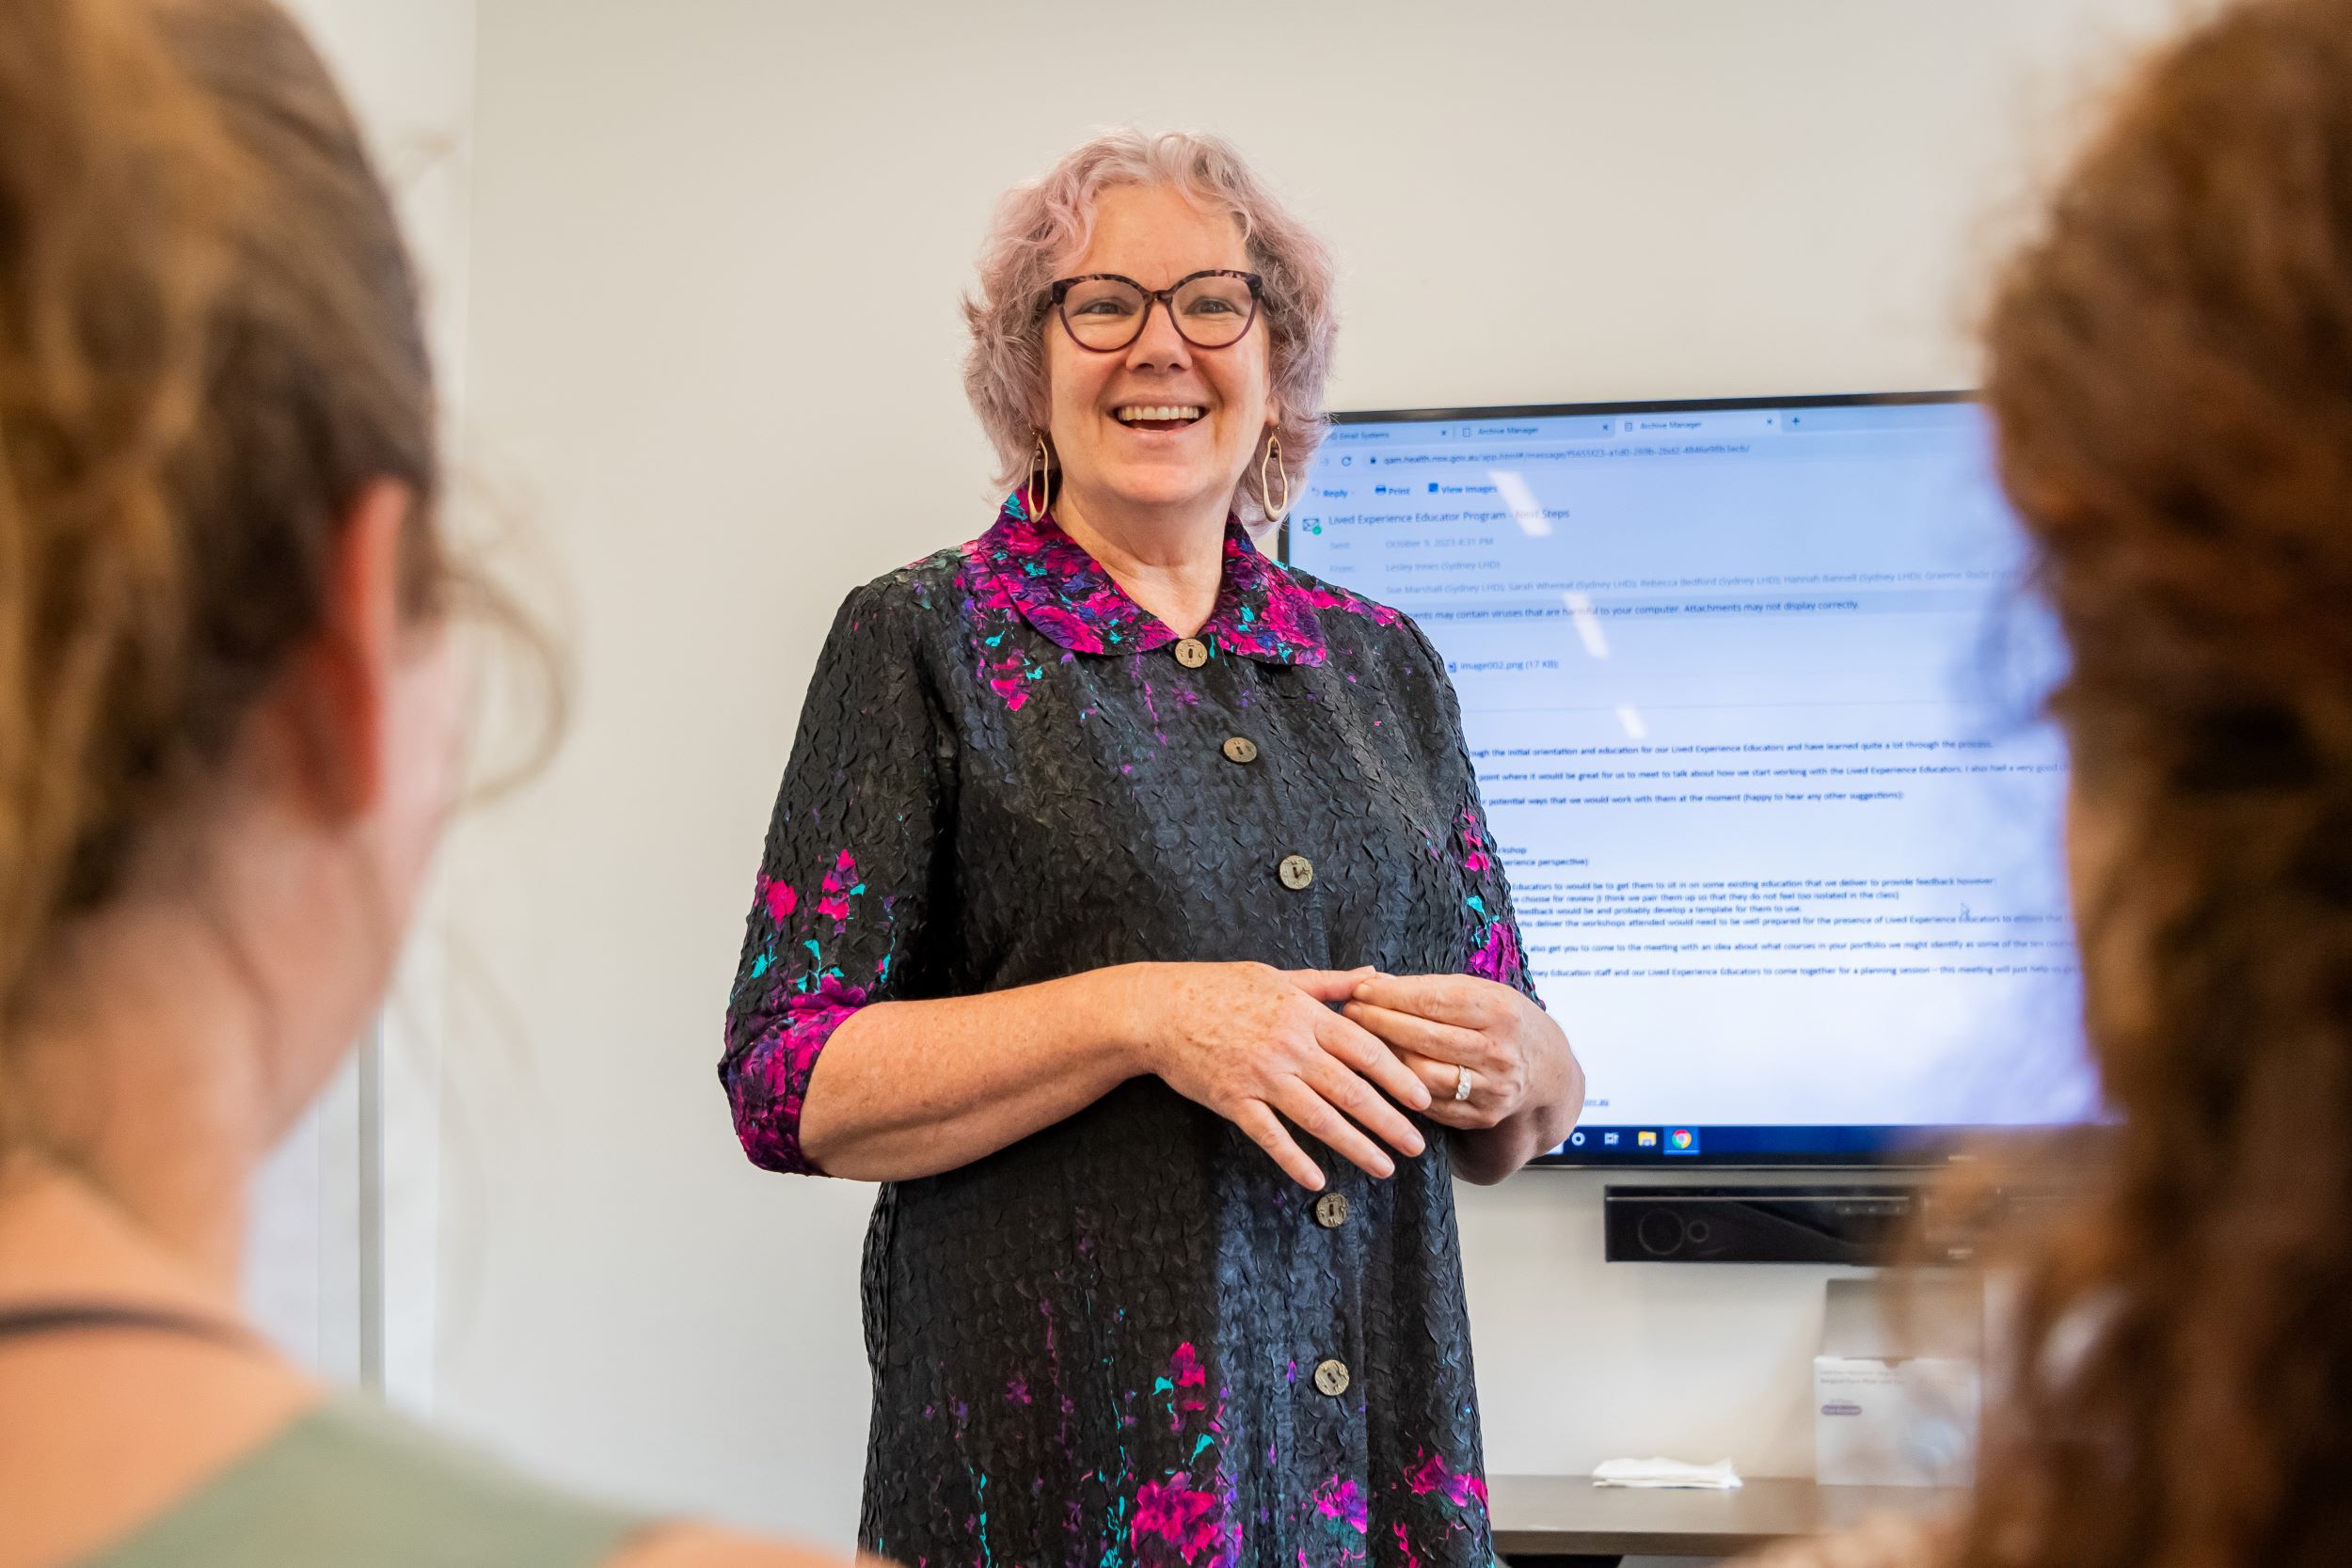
<point x="1569" y="1516"/>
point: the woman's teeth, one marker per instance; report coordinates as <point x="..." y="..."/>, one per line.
<point x="1158" y="413"/>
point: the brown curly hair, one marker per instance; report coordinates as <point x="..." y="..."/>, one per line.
<point x="210" y="344"/>
<point x="2170" y="373"/>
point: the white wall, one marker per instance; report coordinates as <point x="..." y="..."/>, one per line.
<point x="717" y="246"/>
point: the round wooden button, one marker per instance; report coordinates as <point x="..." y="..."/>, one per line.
<point x="1298" y="872"/>
<point x="1331" y="1377"/>
<point x="1331" y="1211"/>
<point x="1241" y="749"/>
<point x="1192" y="653"/>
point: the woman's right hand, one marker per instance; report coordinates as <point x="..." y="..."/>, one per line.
<point x="1248" y="1041"/>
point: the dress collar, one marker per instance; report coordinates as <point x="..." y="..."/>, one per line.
<point x="1262" y="611"/>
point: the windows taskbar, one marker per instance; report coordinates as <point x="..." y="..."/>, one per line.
<point x="1675" y="1143"/>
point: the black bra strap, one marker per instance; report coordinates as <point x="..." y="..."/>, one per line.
<point x="67" y="1317"/>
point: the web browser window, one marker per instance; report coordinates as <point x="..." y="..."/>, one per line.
<point x="1753" y="693"/>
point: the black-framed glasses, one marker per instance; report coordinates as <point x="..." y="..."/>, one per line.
<point x="1104" y="312"/>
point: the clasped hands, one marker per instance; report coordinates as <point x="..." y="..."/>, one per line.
<point x="1337" y="1052"/>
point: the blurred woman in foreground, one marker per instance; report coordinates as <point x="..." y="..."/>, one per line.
<point x="227" y="747"/>
<point x="2171" y="372"/>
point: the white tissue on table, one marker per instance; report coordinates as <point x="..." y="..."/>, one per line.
<point x="1718" y="1477"/>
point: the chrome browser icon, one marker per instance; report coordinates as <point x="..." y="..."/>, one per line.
<point x="1682" y="1140"/>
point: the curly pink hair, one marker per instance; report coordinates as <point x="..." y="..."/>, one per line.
<point x="1041" y="223"/>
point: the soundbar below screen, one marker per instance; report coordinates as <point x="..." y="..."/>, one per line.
<point x="1753" y="695"/>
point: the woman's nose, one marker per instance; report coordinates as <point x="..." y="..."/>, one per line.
<point x="1159" y="346"/>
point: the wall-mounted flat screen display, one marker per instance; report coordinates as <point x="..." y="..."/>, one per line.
<point x="1755" y="690"/>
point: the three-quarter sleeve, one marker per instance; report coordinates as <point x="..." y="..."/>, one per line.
<point x="1491" y="931"/>
<point x="838" y="918"/>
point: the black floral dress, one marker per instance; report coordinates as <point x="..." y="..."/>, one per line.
<point x="1129" y="1338"/>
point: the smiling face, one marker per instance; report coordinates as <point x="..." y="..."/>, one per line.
<point x="1159" y="427"/>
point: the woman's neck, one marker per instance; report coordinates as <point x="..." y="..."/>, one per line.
<point x="1170" y="560"/>
<point x="64" y="1239"/>
<point x="136" y="1115"/>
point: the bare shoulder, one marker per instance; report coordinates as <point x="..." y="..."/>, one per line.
<point x="697" y="1547"/>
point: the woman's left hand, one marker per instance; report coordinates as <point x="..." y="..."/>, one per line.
<point x="1439" y="1024"/>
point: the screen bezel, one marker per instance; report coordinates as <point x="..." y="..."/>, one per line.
<point x="1838" y="1145"/>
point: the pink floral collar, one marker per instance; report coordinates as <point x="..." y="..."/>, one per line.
<point x="1263" y="611"/>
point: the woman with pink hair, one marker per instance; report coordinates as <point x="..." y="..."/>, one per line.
<point x="1128" y="912"/>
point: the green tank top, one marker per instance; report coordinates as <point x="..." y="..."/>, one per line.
<point x="352" y="1485"/>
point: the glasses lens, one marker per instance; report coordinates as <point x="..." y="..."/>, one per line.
<point x="1214" y="312"/>
<point x="1103" y="313"/>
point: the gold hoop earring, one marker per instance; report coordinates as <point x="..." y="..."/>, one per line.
<point x="1265" y="490"/>
<point x="1037" y="486"/>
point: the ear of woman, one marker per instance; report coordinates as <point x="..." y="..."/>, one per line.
<point x="337" y="704"/>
